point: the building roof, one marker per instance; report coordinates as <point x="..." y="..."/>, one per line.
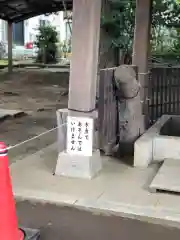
<point x="18" y="10"/>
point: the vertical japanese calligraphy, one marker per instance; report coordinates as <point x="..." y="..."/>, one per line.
<point x="79" y="136"/>
<point x="73" y="124"/>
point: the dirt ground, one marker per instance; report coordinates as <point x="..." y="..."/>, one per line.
<point x="38" y="93"/>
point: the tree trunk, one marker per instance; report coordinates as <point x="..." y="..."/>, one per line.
<point x="106" y="52"/>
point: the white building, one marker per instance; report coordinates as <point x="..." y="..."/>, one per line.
<point x="26" y="31"/>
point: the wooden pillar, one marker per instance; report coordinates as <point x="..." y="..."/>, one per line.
<point x="141" y="46"/>
<point x="10" y="46"/>
<point x="106" y="53"/>
<point x="82" y="91"/>
<point x="84" y="61"/>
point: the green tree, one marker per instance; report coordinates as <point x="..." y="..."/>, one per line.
<point x="166" y="13"/>
<point x="176" y="46"/>
<point x="46" y="41"/>
<point x="120" y="24"/>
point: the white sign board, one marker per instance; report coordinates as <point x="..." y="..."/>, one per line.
<point x="80" y="136"/>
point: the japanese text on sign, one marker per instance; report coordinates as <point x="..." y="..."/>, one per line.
<point x="79" y="136"/>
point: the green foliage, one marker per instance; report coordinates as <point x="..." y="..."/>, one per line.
<point x="163" y="39"/>
<point x="165" y="13"/>
<point x="167" y="57"/>
<point x="46" y="41"/>
<point x="176" y="46"/>
<point x="120" y="24"/>
<point x="64" y="48"/>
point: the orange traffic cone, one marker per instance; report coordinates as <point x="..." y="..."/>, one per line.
<point x="8" y="219"/>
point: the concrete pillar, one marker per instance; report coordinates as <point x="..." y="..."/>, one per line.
<point x="83" y="80"/>
<point x="142" y="45"/>
<point x="10" y="46"/>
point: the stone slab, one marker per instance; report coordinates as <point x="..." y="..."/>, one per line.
<point x="31" y="234"/>
<point x="4" y="113"/>
<point x="32" y="67"/>
<point x="168" y="177"/>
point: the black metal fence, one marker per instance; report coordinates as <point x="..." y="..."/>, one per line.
<point x="164" y="92"/>
<point x="163" y="98"/>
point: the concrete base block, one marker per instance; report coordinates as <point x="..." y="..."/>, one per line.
<point x="31" y="234"/>
<point x="166" y="147"/>
<point x="143" y="152"/>
<point x="145" y="146"/>
<point x="78" y="166"/>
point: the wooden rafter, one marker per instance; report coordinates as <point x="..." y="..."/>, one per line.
<point x="19" y="10"/>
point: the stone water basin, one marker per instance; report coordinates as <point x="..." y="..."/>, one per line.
<point x="160" y="142"/>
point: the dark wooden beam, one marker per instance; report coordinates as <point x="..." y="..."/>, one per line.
<point x="31" y="9"/>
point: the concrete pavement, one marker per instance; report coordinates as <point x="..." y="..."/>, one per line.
<point x="119" y="189"/>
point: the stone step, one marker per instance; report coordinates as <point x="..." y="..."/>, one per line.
<point x="167" y="178"/>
